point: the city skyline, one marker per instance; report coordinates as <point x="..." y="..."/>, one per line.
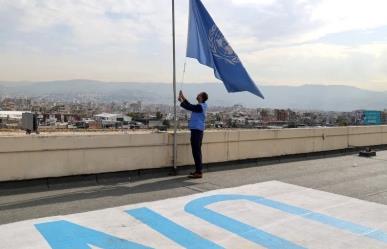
<point x="280" y="42"/>
<point x="311" y="97"/>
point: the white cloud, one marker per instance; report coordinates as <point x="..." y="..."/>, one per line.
<point x="279" y="40"/>
<point x="362" y="66"/>
<point x="253" y="2"/>
<point x="346" y="15"/>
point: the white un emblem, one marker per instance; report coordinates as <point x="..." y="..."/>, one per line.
<point x="220" y="47"/>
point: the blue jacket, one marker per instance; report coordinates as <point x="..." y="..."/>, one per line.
<point x="198" y="115"/>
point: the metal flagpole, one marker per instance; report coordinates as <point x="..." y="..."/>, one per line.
<point x="174" y="91"/>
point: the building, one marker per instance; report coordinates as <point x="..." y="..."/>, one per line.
<point x="58" y="108"/>
<point x="11" y="118"/>
<point x="135" y="107"/>
<point x="153" y="124"/>
<point x="12" y="115"/>
<point x="108" y="120"/>
<point x="281" y="115"/>
<point x="265" y="115"/>
<point x="372" y="117"/>
<point x="8" y="104"/>
<point x="384" y="117"/>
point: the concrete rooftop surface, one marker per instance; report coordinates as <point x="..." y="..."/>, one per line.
<point x="296" y="184"/>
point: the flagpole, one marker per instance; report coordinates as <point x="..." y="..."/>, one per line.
<point x="174" y="91"/>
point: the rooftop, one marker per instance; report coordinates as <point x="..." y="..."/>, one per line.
<point x="343" y="174"/>
<point x="321" y="195"/>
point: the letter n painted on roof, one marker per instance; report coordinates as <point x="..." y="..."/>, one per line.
<point x="66" y="235"/>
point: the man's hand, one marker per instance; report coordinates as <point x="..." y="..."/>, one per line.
<point x="181" y="96"/>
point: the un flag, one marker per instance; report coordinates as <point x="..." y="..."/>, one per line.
<point x="207" y="44"/>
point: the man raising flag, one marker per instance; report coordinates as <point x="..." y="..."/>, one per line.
<point x="197" y="125"/>
<point x="207" y="44"/>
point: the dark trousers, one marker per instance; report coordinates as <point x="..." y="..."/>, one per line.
<point x="196" y="145"/>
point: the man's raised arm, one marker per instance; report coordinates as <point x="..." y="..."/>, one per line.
<point x="190" y="107"/>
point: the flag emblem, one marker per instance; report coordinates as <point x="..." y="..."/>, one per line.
<point x="220" y="47"/>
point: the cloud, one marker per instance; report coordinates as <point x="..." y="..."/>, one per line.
<point x="91" y="22"/>
<point x="357" y="37"/>
<point x="287" y="41"/>
<point x="362" y="66"/>
<point x="253" y="2"/>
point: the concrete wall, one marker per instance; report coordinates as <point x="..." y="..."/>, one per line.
<point x="29" y="157"/>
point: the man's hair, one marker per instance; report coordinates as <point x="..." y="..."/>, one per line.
<point x="204" y="96"/>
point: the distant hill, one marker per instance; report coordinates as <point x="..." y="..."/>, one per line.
<point x="312" y="97"/>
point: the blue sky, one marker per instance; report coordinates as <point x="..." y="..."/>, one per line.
<point x="290" y="42"/>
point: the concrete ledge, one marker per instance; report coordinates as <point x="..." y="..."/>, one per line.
<point x="84" y="142"/>
<point x="67" y="182"/>
<point x="33" y="157"/>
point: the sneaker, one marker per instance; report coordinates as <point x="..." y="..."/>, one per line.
<point x="196" y="176"/>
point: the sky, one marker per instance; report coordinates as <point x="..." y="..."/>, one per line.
<point x="280" y="42"/>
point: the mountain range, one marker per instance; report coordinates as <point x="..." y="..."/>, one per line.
<point x="306" y="97"/>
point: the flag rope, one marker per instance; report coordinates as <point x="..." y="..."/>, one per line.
<point x="183" y="75"/>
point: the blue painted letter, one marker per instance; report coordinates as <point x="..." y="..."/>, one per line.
<point x="198" y="208"/>
<point x="172" y="230"/>
<point x="67" y="235"/>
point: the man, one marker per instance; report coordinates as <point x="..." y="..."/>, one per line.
<point x="197" y="125"/>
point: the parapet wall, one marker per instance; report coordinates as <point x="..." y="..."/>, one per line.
<point x="30" y="157"/>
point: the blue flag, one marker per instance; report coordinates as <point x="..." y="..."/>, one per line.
<point x="207" y="44"/>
